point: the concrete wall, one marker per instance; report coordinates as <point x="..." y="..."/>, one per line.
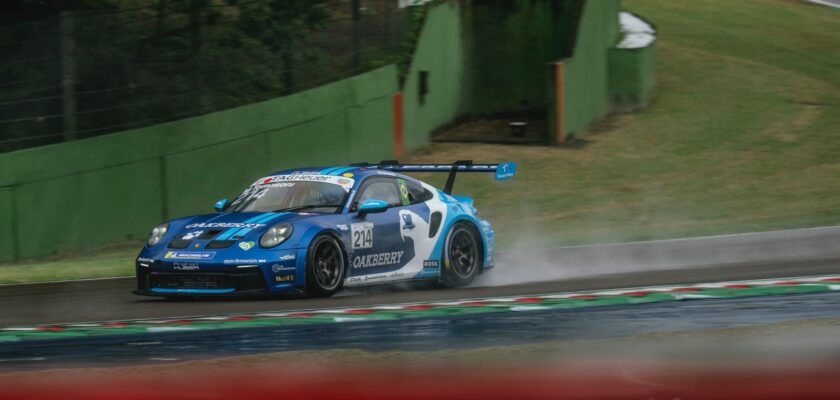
<point x="87" y="193"/>
<point x="632" y="77"/>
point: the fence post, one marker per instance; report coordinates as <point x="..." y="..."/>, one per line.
<point x="399" y="126"/>
<point x="357" y="15"/>
<point x="164" y="190"/>
<point x="560" y="103"/>
<point x="15" y="222"/>
<point x="68" y="75"/>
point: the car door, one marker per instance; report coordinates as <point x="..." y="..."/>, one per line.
<point x="418" y="228"/>
<point x="377" y="249"/>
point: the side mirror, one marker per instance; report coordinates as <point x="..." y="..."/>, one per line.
<point x="372" y="207"/>
<point x="222" y="205"/>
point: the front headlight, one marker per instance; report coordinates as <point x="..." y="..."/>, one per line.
<point x="276" y="235"/>
<point x="157" y="234"/>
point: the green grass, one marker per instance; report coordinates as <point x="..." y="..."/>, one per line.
<point x="743" y="135"/>
<point x="110" y="262"/>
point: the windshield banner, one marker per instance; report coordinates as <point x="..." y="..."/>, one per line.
<point x="345" y="183"/>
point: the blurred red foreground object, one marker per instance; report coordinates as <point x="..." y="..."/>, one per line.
<point x="610" y="381"/>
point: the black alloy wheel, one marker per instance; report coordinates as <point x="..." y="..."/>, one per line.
<point x="324" y="267"/>
<point x="462" y="256"/>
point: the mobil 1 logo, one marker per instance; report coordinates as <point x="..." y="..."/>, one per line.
<point x="361" y="234"/>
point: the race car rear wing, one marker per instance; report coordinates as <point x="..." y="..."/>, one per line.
<point x="503" y="171"/>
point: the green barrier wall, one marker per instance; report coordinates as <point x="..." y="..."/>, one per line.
<point x="87" y="193"/>
<point x="512" y="43"/>
<point x="7" y="247"/>
<point x="632" y="77"/>
<point x="483" y="57"/>
<point x="586" y="76"/>
<point x="441" y="52"/>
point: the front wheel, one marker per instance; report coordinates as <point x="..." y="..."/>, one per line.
<point x="324" y="267"/>
<point x="462" y="256"/>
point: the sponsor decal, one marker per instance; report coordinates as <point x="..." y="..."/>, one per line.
<point x="189" y="255"/>
<point x="342" y="227"/>
<point x="224" y="225"/>
<point x="348" y="175"/>
<point x="185" y="266"/>
<point x="295" y="177"/>
<point x="377" y="260"/>
<point x="377" y="277"/>
<point x="430" y="267"/>
<point x="145" y="260"/>
<point x="362" y="235"/>
<point x="281" y="185"/>
<point x="505" y="171"/>
<point x="407" y="222"/>
<point x="396" y="275"/>
<point x="246" y="245"/>
<point x="277" y="268"/>
<point x="245" y="261"/>
<point x="287" y="257"/>
<point x="192" y="235"/>
<point x="403" y="192"/>
<point x="284" y="278"/>
<point x="345" y="182"/>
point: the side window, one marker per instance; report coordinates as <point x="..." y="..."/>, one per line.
<point x="413" y="193"/>
<point x="384" y="189"/>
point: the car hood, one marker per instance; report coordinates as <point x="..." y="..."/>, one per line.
<point x="230" y="226"/>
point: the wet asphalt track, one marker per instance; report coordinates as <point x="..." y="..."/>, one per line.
<point x="777" y="254"/>
<point x="740" y="257"/>
<point x="427" y="334"/>
<point x="104" y="300"/>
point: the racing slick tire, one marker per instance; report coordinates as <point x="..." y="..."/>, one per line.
<point x="325" y="267"/>
<point x="462" y="255"/>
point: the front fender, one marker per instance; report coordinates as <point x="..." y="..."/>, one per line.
<point x="301" y="248"/>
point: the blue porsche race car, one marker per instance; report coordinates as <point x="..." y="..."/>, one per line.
<point x="316" y="231"/>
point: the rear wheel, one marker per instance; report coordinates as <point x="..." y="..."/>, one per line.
<point x="462" y="257"/>
<point x="324" y="267"/>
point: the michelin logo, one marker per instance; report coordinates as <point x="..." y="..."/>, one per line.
<point x="186" y="255"/>
<point x="377" y="260"/>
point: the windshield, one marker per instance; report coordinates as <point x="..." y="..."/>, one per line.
<point x="313" y="193"/>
